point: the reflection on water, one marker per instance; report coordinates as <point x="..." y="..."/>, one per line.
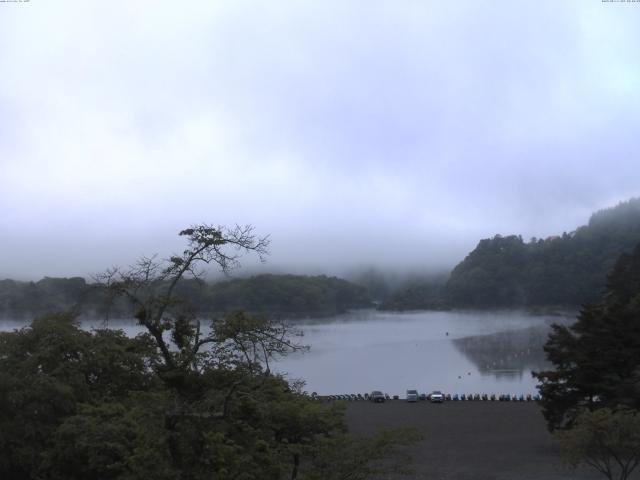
<point x="456" y="352"/>
<point x="506" y="354"/>
<point x="470" y="352"/>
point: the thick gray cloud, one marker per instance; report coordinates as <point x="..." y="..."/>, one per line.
<point x="394" y="133"/>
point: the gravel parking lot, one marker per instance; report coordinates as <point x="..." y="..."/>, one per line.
<point x="471" y="440"/>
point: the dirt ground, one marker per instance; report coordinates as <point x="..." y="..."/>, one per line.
<point x="471" y="440"/>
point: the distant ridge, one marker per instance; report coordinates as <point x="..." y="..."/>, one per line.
<point x="284" y="296"/>
<point x="566" y="270"/>
<point x="569" y="269"/>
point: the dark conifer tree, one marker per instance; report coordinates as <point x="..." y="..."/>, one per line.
<point x="597" y="359"/>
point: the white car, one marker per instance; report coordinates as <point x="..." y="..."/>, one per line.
<point x="412" y="396"/>
<point x="436" y="397"/>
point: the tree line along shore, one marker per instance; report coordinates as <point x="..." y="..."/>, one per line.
<point x="184" y="402"/>
<point x="541" y="274"/>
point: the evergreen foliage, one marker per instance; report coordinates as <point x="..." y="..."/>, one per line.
<point x="178" y="402"/>
<point x="76" y="404"/>
<point x="290" y="296"/>
<point x="597" y="360"/>
<point x="606" y="440"/>
<point x="507" y="272"/>
<point x="287" y="295"/>
<point x="566" y="270"/>
<point x="423" y="295"/>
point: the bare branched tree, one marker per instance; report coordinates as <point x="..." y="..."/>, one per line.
<point x="251" y="341"/>
<point x="150" y="286"/>
<point x="240" y="343"/>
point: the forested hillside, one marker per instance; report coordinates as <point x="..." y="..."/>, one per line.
<point x="24" y="300"/>
<point x="598" y="356"/>
<point x="287" y="295"/>
<point x="291" y="296"/>
<point x="570" y="269"/>
<point x="505" y="271"/>
<point x="501" y="272"/>
<point x="422" y="295"/>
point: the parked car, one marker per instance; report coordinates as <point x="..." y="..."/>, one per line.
<point x="377" y="396"/>
<point x="436" y="397"/>
<point x="412" y="396"/>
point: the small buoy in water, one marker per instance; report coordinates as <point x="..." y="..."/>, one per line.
<point x="447" y="334"/>
<point x="459" y="376"/>
<point x="468" y="373"/>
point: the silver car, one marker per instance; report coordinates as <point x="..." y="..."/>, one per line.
<point x="436" y="397"/>
<point x="412" y="396"/>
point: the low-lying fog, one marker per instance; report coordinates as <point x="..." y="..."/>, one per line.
<point x="470" y="352"/>
<point x="354" y="133"/>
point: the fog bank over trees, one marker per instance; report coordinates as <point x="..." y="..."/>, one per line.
<point x="317" y="122"/>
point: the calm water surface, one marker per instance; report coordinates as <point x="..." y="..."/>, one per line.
<point x="470" y="352"/>
<point x="467" y="352"/>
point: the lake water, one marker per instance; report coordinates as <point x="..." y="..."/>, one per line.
<point x="467" y="352"/>
<point x="456" y="352"/>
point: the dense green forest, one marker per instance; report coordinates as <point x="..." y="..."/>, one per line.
<point x="567" y="270"/>
<point x="507" y="271"/>
<point x="287" y="295"/>
<point x="425" y="294"/>
<point x="591" y="394"/>
<point x="78" y="404"/>
<point x="597" y="359"/>
<point x="25" y="300"/>
<point x="178" y="401"/>
<point x="291" y="296"/>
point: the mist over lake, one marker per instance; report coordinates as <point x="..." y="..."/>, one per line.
<point x="471" y="352"/>
<point x="456" y="352"/>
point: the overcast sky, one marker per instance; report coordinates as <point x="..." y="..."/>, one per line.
<point x="395" y="133"/>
